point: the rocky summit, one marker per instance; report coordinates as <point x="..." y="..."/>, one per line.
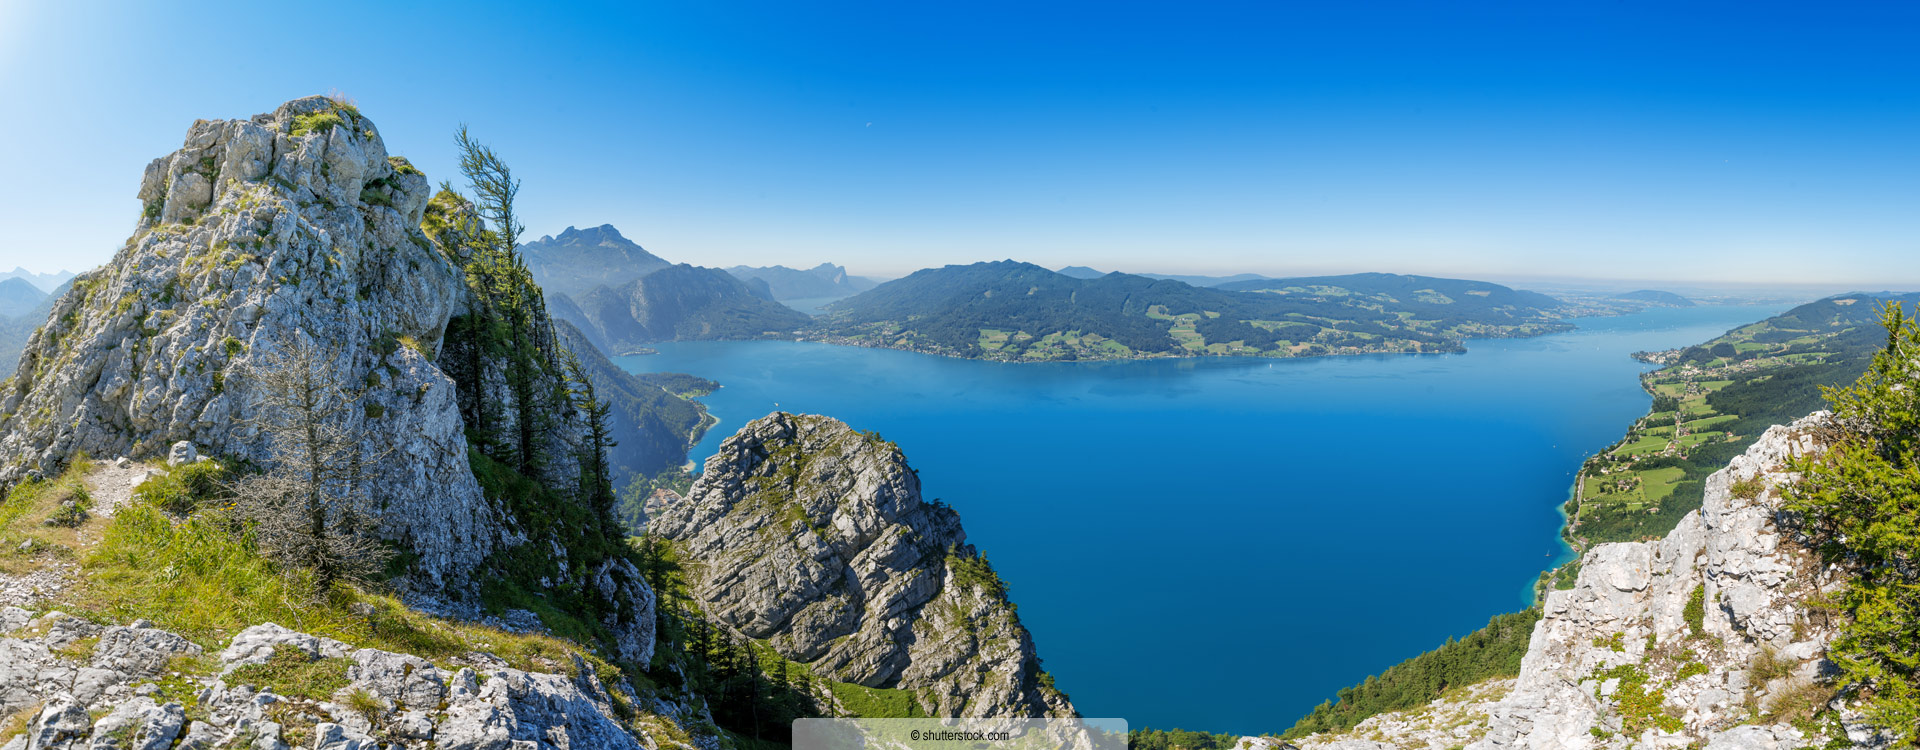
<point x="297" y="226"/>
<point x="255" y="229"/>
<point x="814" y="538"/>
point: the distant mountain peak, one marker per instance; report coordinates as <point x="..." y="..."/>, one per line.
<point x="578" y="260"/>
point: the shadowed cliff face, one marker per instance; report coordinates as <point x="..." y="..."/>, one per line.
<point x="814" y="538"/>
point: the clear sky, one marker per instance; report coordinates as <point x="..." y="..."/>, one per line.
<point x="1743" y="142"/>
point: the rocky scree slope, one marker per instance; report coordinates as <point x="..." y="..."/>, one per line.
<point x="290" y="225"/>
<point x="72" y="684"/>
<point x="813" y="538"/>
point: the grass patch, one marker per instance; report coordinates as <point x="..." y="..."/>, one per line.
<point x="876" y="703"/>
<point x="316" y="122"/>
<point x="1749" y="488"/>
<point x="292" y="672"/>
<point x="202" y="578"/>
<point x="182" y="489"/>
<point x="1768" y="665"/>
<point x="41" y="516"/>
<point x="16" y="724"/>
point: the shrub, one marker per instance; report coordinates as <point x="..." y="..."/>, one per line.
<point x="1749" y="488"/>
<point x="1855" y="503"/>
<point x="374" y="197"/>
<point x="1696" y="611"/>
<point x="69" y="515"/>
<point x="186" y="487"/>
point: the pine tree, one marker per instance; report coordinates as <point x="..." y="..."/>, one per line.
<point x="310" y="508"/>
<point x="597" y="473"/>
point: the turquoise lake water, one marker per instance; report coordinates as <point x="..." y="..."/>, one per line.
<point x="1220" y="543"/>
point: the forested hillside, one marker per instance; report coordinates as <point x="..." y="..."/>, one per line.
<point x="1492" y="651"/>
<point x="1008" y="310"/>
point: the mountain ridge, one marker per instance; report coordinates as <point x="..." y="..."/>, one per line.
<point x="1013" y="311"/>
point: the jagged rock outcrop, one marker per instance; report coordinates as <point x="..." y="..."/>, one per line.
<point x="814" y="538"/>
<point x="1619" y="660"/>
<point x="294" y="220"/>
<point x="298" y="226"/>
<point x="145" y="696"/>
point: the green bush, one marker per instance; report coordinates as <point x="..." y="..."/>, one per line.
<point x="185" y="488"/>
<point x="374" y="197"/>
<point x="1856" y="503"/>
<point x="1696" y="611"/>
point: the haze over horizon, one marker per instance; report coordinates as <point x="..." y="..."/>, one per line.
<point x="1724" y="144"/>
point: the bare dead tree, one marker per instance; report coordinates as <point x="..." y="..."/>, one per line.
<point x="310" y="507"/>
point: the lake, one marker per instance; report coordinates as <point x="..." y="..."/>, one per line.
<point x="1221" y="543"/>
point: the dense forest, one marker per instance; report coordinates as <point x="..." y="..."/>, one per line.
<point x="1492" y="651"/>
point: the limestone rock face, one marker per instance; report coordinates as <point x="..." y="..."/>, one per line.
<point x="1627" y="613"/>
<point x="814" y="538"/>
<point x="298" y="226"/>
<point x="253" y="230"/>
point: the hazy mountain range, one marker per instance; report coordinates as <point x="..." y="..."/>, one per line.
<point x="824" y="280"/>
<point x="45" y="282"/>
<point x="622" y="296"/>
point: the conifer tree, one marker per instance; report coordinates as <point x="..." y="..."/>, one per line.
<point x="597" y="474"/>
<point x="1859" y="502"/>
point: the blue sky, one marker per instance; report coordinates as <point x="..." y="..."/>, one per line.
<point x="1748" y="142"/>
